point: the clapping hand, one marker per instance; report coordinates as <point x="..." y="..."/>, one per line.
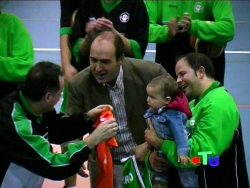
<point x="173" y="27"/>
<point x="185" y="23"/>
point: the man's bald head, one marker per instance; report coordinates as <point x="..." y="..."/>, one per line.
<point x="108" y="36"/>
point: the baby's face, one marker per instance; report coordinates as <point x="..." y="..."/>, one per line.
<point x="155" y="98"/>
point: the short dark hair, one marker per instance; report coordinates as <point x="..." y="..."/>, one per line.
<point x="43" y="77"/>
<point x="117" y="41"/>
<point x="167" y="84"/>
<point x="197" y="60"/>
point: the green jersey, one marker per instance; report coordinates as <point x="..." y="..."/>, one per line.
<point x="220" y="31"/>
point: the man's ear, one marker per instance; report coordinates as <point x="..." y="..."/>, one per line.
<point x="121" y="58"/>
<point x="47" y="97"/>
<point x="201" y="72"/>
<point x="167" y="100"/>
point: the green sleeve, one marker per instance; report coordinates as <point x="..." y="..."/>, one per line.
<point x="65" y="30"/>
<point x="136" y="49"/>
<point x="23" y="127"/>
<point x="215" y="122"/>
<point x="33" y="151"/>
<point x="157" y="33"/>
<point x="220" y="31"/>
<point x="17" y="54"/>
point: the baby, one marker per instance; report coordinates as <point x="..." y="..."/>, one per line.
<point x="168" y="113"/>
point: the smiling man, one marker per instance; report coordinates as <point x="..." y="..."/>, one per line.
<point x="121" y="82"/>
<point x="215" y="126"/>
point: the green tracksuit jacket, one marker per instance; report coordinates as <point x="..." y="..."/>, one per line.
<point x="219" y="32"/>
<point x="216" y="118"/>
<point x="16" y="52"/>
<point x="25" y="139"/>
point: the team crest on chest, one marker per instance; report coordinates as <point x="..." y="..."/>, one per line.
<point x="124" y="17"/>
<point x="198" y="7"/>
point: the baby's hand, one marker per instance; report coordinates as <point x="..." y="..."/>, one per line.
<point x="183" y="159"/>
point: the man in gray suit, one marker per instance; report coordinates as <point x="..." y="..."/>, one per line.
<point x="121" y="82"/>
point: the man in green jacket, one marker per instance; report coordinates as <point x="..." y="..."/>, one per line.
<point x="29" y="124"/>
<point x="214" y="128"/>
<point x="192" y="18"/>
<point x="16" y="52"/>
